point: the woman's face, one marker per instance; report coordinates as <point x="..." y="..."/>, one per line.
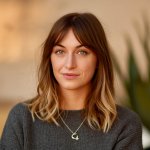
<point x="69" y="56"/>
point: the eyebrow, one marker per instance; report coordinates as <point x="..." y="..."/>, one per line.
<point x="64" y="46"/>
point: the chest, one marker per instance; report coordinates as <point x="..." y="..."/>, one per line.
<point x="52" y="137"/>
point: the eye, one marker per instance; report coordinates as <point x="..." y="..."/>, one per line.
<point x="83" y="52"/>
<point x="59" y="52"/>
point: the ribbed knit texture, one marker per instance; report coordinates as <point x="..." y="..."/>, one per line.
<point x="21" y="133"/>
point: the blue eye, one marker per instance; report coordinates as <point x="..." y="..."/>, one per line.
<point x="60" y="52"/>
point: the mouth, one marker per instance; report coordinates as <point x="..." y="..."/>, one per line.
<point x="70" y="75"/>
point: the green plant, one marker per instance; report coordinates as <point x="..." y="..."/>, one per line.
<point x="138" y="90"/>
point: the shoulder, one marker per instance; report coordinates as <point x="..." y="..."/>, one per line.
<point x="125" y="113"/>
<point x="127" y="117"/>
<point x="127" y="127"/>
<point x="19" y="111"/>
<point x="20" y="107"/>
<point x="16" y="123"/>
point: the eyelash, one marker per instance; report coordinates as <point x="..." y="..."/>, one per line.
<point x="79" y="51"/>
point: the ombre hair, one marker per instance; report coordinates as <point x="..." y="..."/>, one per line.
<point x="100" y="106"/>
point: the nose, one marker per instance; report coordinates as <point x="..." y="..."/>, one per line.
<point x="70" y="61"/>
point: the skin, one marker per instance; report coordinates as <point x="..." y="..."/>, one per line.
<point x="70" y="57"/>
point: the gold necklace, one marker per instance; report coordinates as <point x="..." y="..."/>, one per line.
<point x="73" y="133"/>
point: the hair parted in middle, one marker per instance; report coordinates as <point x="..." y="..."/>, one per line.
<point x="100" y="107"/>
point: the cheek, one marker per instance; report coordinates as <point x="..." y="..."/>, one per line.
<point x="56" y="68"/>
<point x="88" y="68"/>
<point x="56" y="64"/>
<point x="89" y="63"/>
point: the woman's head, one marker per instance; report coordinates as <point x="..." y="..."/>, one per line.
<point x="87" y="34"/>
<point x="70" y="56"/>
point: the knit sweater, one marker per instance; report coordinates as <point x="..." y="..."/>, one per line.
<point x="21" y="133"/>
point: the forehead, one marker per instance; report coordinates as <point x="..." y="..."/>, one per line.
<point x="69" y="38"/>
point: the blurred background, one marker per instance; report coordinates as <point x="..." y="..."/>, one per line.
<point x="24" y="25"/>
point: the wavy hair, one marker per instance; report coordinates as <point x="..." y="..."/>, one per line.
<point x="100" y="107"/>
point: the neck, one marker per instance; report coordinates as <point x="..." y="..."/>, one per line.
<point x="73" y="99"/>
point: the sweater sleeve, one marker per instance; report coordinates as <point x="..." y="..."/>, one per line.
<point x="12" y="136"/>
<point x="130" y="137"/>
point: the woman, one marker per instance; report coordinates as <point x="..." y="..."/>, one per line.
<point x="75" y="107"/>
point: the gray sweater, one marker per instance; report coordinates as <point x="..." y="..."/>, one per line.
<point x="21" y="133"/>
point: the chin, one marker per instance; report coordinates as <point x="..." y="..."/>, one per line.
<point x="71" y="87"/>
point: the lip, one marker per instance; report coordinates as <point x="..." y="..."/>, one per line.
<point x="70" y="75"/>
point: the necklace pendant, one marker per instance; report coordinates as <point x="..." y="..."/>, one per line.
<point x="76" y="137"/>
